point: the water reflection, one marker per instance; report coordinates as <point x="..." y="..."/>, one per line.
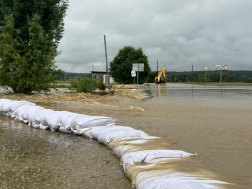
<point x="202" y="94"/>
<point x="161" y="89"/>
<point x="192" y="90"/>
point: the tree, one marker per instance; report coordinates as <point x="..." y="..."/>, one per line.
<point x="231" y="77"/>
<point x="26" y="66"/>
<point x="121" y="66"/>
<point x="199" y="77"/>
<point x="172" y="77"/>
<point x="152" y="76"/>
<point x="244" y="79"/>
<point x="59" y="74"/>
<point x="30" y="33"/>
<point x="51" y="12"/>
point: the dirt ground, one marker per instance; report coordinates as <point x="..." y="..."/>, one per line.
<point x="221" y="137"/>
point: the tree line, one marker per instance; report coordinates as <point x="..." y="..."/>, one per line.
<point x="30" y="32"/>
<point x="211" y="76"/>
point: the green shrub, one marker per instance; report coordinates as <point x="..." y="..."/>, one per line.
<point x="74" y="83"/>
<point x="87" y="85"/>
<point x="104" y="84"/>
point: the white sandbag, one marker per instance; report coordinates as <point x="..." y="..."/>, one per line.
<point x="53" y="119"/>
<point x="76" y="132"/>
<point x="21" y="112"/>
<point x="64" y="130"/>
<point x="119" y="150"/>
<point x="65" y="120"/>
<point x="4" y="103"/>
<point x="152" y="143"/>
<point x="156" y="180"/>
<point x="2" y="100"/>
<point x="90" y="121"/>
<point x="132" y="140"/>
<point x="87" y="133"/>
<point x="81" y="131"/>
<point x="32" y="112"/>
<point x="106" y="137"/>
<point x="147" y="156"/>
<point x="10" y="107"/>
<point x="96" y="131"/>
<point x="29" y="113"/>
<point x="44" y="127"/>
<point x="39" y="117"/>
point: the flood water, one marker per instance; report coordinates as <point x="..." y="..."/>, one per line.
<point x="214" y="122"/>
<point x="201" y="95"/>
<point x="34" y="158"/>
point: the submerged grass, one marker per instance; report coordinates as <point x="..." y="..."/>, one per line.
<point x="218" y="83"/>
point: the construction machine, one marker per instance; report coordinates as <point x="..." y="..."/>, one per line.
<point x="161" y="78"/>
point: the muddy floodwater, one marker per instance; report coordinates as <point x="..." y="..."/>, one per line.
<point x="214" y="122"/>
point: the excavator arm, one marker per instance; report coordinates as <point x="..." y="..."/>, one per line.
<point x="161" y="78"/>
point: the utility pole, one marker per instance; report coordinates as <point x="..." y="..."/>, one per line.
<point x="157" y="67"/>
<point x="220" y="76"/>
<point x="108" y="77"/>
<point x="192" y="73"/>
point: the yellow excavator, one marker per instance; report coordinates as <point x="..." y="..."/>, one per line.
<point x="161" y="78"/>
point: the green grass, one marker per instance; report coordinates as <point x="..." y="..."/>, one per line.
<point x="61" y="84"/>
<point x="218" y="83"/>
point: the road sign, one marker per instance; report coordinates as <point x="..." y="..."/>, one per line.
<point x="221" y="67"/>
<point x="206" y="68"/>
<point x="218" y="67"/>
<point x="138" y="67"/>
<point x="133" y="74"/>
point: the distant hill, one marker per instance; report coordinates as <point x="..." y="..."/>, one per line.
<point x="238" y="73"/>
<point x="75" y="75"/>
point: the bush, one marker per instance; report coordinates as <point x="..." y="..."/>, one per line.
<point x="87" y="85"/>
<point x="74" y="83"/>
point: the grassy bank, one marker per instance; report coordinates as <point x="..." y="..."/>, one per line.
<point x="218" y="83"/>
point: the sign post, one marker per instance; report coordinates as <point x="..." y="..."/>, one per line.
<point x="206" y="68"/>
<point x="220" y="67"/>
<point x="133" y="74"/>
<point x="138" y="67"/>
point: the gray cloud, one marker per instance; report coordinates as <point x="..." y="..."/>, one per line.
<point x="177" y="33"/>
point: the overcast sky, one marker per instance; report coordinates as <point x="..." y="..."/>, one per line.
<point x="177" y="33"/>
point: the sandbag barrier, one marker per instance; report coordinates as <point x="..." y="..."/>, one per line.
<point x="146" y="159"/>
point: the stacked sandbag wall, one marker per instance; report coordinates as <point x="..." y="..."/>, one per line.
<point x="145" y="159"/>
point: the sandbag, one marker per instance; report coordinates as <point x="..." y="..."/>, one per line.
<point x="53" y="119"/>
<point x="159" y="180"/>
<point x="146" y="156"/>
<point x="152" y="143"/>
<point x="39" y="118"/>
<point x="131" y="140"/>
<point x="65" y="120"/>
<point x="4" y="103"/>
<point x="21" y="113"/>
<point x="44" y="127"/>
<point x="96" y="131"/>
<point x="81" y="131"/>
<point x="64" y="130"/>
<point x="90" y="121"/>
<point x="76" y="132"/>
<point x="107" y="137"/>
<point x="32" y="112"/>
<point x="13" y="105"/>
<point x="87" y="133"/>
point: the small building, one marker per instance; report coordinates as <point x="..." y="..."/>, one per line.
<point x="101" y="75"/>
